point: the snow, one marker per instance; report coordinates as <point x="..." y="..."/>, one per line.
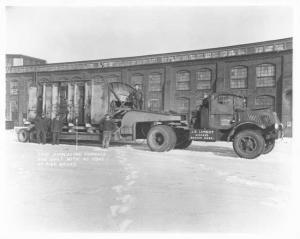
<point x="128" y="188"/>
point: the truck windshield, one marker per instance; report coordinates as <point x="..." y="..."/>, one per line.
<point x="238" y="102"/>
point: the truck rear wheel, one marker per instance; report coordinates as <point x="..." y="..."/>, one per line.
<point x="269" y="146"/>
<point x="161" y="138"/>
<point x="249" y="144"/>
<point x="183" y="140"/>
<point x="23" y="135"/>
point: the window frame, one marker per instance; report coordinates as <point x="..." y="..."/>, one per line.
<point x="238" y="79"/>
<point x="182" y="82"/>
<point x="264" y="78"/>
<point x="151" y="88"/>
<point x="198" y="80"/>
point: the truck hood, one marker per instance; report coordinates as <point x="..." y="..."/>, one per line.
<point x="262" y="117"/>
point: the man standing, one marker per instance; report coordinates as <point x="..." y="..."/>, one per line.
<point x="41" y="125"/>
<point x="107" y="126"/>
<point x="138" y="97"/>
<point x="56" y="128"/>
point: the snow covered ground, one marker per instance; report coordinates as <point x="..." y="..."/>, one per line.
<point x="205" y="188"/>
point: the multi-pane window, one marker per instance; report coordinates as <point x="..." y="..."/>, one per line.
<point x="13" y="87"/>
<point x="183" y="80"/>
<point x="154" y="104"/>
<point x="265" y="75"/>
<point x="265" y="101"/>
<point x="137" y="79"/>
<point x="236" y="101"/>
<point x="155" y="82"/>
<point x="238" y="77"/>
<point x="182" y="105"/>
<point x="17" y="61"/>
<point x="203" y="79"/>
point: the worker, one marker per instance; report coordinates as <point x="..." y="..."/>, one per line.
<point x="107" y="127"/>
<point x="136" y="97"/>
<point x="56" y="127"/>
<point x="41" y="125"/>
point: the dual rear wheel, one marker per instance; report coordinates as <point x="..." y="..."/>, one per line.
<point x="162" y="138"/>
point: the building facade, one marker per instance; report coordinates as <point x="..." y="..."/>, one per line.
<point x="262" y="72"/>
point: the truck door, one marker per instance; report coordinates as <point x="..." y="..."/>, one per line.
<point x="221" y="111"/>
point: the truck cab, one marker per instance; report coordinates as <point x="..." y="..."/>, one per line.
<point x="226" y="117"/>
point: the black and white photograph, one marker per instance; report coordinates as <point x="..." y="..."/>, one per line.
<point x="136" y="118"/>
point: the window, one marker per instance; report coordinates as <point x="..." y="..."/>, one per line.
<point x="238" y="77"/>
<point x="183" y="80"/>
<point x="265" y="101"/>
<point x="265" y="75"/>
<point x="236" y="101"/>
<point x="17" y="61"/>
<point x="203" y="79"/>
<point x="155" y="82"/>
<point x="13" y="87"/>
<point x="154" y="104"/>
<point x="137" y="79"/>
<point x="182" y="105"/>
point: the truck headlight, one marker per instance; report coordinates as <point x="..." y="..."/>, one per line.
<point x="276" y="126"/>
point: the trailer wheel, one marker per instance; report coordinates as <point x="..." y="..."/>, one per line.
<point x="269" y="146"/>
<point x="161" y="138"/>
<point x="249" y="144"/>
<point x="23" y="135"/>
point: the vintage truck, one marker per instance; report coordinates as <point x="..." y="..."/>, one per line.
<point x="222" y="117"/>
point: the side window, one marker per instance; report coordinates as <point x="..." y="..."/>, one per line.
<point x="155" y="82"/>
<point x="137" y="79"/>
<point x="13" y="87"/>
<point x="238" y="77"/>
<point x="154" y="104"/>
<point x="265" y="75"/>
<point x="203" y="79"/>
<point x="183" y="80"/>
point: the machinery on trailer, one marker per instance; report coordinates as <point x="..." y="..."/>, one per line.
<point x="221" y="117"/>
<point x="83" y="106"/>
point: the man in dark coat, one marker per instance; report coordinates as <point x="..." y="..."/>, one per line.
<point x="139" y="97"/>
<point x="56" y="127"/>
<point x="107" y="126"/>
<point x="41" y="125"/>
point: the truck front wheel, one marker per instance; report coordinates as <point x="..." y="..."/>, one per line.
<point x="269" y="146"/>
<point x="249" y="144"/>
<point x="23" y="135"/>
<point x="161" y="138"/>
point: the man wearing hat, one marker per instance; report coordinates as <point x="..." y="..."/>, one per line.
<point x="107" y="126"/>
<point x="41" y="125"/>
<point x="56" y="128"/>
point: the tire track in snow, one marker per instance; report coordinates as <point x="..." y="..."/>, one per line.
<point x="125" y="201"/>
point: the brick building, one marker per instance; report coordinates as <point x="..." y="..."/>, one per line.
<point x="261" y="71"/>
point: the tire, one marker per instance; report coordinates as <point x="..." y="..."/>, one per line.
<point x="269" y="146"/>
<point x="249" y="144"/>
<point x="23" y="135"/>
<point x="183" y="140"/>
<point x="33" y="136"/>
<point x="161" y="138"/>
<point x="183" y="144"/>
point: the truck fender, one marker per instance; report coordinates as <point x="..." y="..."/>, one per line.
<point x="247" y="124"/>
